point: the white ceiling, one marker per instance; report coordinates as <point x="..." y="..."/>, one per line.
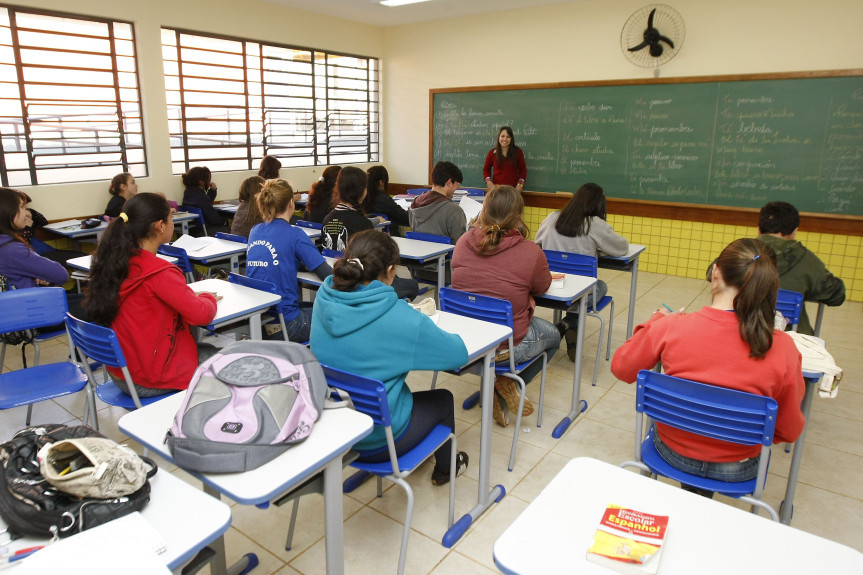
<point x="370" y="12"/>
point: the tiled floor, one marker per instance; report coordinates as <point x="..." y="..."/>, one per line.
<point x="829" y="499"/>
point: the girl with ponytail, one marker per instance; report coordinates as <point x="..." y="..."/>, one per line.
<point x="496" y="259"/>
<point x="356" y="310"/>
<point x="146" y="301"/>
<point x="731" y="343"/>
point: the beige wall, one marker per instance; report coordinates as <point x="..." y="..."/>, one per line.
<point x="240" y="18"/>
<point x="581" y="41"/>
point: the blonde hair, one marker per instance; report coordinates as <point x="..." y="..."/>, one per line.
<point x="501" y="212"/>
<point x="274" y="198"/>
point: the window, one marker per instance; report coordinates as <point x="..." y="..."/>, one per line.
<point x="69" y="102"/>
<point x="233" y="101"/>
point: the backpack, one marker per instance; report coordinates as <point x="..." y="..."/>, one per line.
<point x="32" y="507"/>
<point x="247" y="405"/>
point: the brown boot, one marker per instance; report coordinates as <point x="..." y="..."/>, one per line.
<point x="509" y="391"/>
<point x="499" y="410"/>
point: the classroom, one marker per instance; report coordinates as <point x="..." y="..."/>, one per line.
<point x="547" y="42"/>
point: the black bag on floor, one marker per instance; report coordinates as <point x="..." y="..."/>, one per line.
<point x="32" y="507"/>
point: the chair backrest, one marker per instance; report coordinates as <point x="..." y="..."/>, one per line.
<point x="198" y="212"/>
<point x="39" y="246"/>
<point x="427" y="237"/>
<point x="254" y="283"/>
<point x="182" y="257"/>
<point x="308" y="224"/>
<point x="475" y="192"/>
<point x="416" y="191"/>
<point x="569" y="263"/>
<point x="97" y="342"/>
<point x="790" y="304"/>
<point x="29" y="308"/>
<point x="332" y="253"/>
<point x="724" y="414"/>
<point x="368" y="395"/>
<point x="483" y="307"/>
<point x="232" y="237"/>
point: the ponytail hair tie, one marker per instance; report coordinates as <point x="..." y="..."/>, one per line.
<point x="358" y="262"/>
<point x="124" y="217"/>
<point x="755" y="257"/>
<point x="494" y="228"/>
<point x="321" y="179"/>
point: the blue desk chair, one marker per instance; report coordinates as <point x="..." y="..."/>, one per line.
<point x="416" y="191"/>
<point x="369" y="396"/>
<point x="311" y="225"/>
<point x="99" y="343"/>
<point x="266" y="286"/>
<point x="426" y="270"/>
<point x="33" y="308"/>
<point x="582" y="265"/>
<point x="232" y="237"/>
<point x="200" y="213"/>
<point x="497" y="311"/>
<point x="182" y="260"/>
<point x="379" y="215"/>
<point x="790" y="305"/>
<point x="332" y="254"/>
<point x="711" y="411"/>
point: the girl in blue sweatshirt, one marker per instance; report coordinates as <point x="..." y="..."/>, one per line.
<point x="355" y="310"/>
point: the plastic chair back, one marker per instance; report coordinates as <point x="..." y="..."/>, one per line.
<point x="30" y="308"/>
<point x="308" y="224"/>
<point x="232" y="237"/>
<point x="790" y="305"/>
<point x="427" y="237"/>
<point x="569" y="263"/>
<point x="482" y="307"/>
<point x="262" y="285"/>
<point x="416" y="191"/>
<point x="332" y="253"/>
<point x="183" y="261"/>
<point x="369" y="396"/>
<point x="198" y="212"/>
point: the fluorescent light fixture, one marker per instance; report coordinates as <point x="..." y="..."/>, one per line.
<point x="400" y="2"/>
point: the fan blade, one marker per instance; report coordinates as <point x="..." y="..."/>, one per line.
<point x="667" y="41"/>
<point x="639" y="47"/>
<point x="650" y="18"/>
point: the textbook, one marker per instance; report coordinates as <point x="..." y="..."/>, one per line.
<point x="628" y="541"/>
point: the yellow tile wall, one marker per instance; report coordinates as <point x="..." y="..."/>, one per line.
<point x="685" y="249"/>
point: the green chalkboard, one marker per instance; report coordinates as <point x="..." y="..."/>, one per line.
<point x="728" y="141"/>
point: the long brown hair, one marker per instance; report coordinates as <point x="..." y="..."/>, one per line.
<point x="249" y="189"/>
<point x="511" y="152"/>
<point x="501" y="212"/>
<point x="574" y="219"/>
<point x="750" y="266"/>
<point x="321" y="192"/>
<point x="375" y="251"/>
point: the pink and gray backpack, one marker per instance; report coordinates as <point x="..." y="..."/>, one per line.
<point x="246" y="405"/>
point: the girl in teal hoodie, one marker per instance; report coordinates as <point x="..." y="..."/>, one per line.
<point x="355" y="310"/>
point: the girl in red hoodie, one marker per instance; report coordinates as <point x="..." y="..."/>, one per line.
<point x="146" y="301"/>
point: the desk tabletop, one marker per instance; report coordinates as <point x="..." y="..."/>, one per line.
<point x="206" y="248"/>
<point x="553" y="533"/>
<point x="478" y="336"/>
<point x="634" y="250"/>
<point x="73" y="229"/>
<point x="313" y="233"/>
<point x="573" y="288"/>
<point x="237" y="300"/>
<point x="420" y="249"/>
<point x="83" y="263"/>
<point x="334" y="433"/>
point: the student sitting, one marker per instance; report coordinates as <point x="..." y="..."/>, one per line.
<point x="200" y="193"/>
<point x="122" y="188"/>
<point x="321" y="195"/>
<point x="355" y="310"/>
<point x="276" y="252"/>
<point x="496" y="259"/>
<point x="799" y="269"/>
<point x="731" y="343"/>
<point x="580" y="228"/>
<point x="378" y="201"/>
<point x="347" y="219"/>
<point x="247" y="215"/>
<point x="45" y="250"/>
<point x="270" y="166"/>
<point x="146" y="301"/>
<point x="434" y="212"/>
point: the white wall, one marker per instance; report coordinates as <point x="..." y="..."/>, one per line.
<point x="580" y="41"/>
<point x="239" y="18"/>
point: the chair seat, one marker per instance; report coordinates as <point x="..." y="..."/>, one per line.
<point x="605" y="301"/>
<point x="412" y="458"/>
<point x="651" y="457"/>
<point x="38" y="383"/>
<point x="109" y="393"/>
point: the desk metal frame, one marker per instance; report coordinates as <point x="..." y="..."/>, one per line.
<point x="628" y="262"/>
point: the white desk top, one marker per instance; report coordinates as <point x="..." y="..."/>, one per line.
<point x="209" y="248"/>
<point x="313" y="233"/>
<point x="84" y="262"/>
<point x="478" y="336"/>
<point x="186" y="517"/>
<point x="310" y="278"/>
<point x="184" y="217"/>
<point x="634" y="250"/>
<point x="704" y="536"/>
<point x="73" y="229"/>
<point x="237" y="300"/>
<point x="573" y="288"/>
<point x="421" y="250"/>
<point x="333" y="434"/>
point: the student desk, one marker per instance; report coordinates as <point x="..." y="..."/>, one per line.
<point x="481" y="339"/>
<point x="228" y="207"/>
<point x="553" y="533"/>
<point x="238" y="303"/>
<point x="72" y="229"/>
<point x="419" y="251"/>
<point x="182" y="219"/>
<point x="334" y="434"/>
<point x="311" y="279"/>
<point x="313" y="233"/>
<point x="83" y="263"/>
<point x="187" y="519"/>
<point x="217" y="249"/>
<point x="575" y="288"/>
<point x="627" y="262"/>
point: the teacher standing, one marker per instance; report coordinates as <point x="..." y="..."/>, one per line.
<point x="504" y="164"/>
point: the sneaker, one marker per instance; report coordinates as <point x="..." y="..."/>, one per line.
<point x="571" y="337"/>
<point x="499" y="412"/>
<point x="442" y="477"/>
<point x="502" y="356"/>
<point x="509" y="391"/>
<point x="562" y="326"/>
